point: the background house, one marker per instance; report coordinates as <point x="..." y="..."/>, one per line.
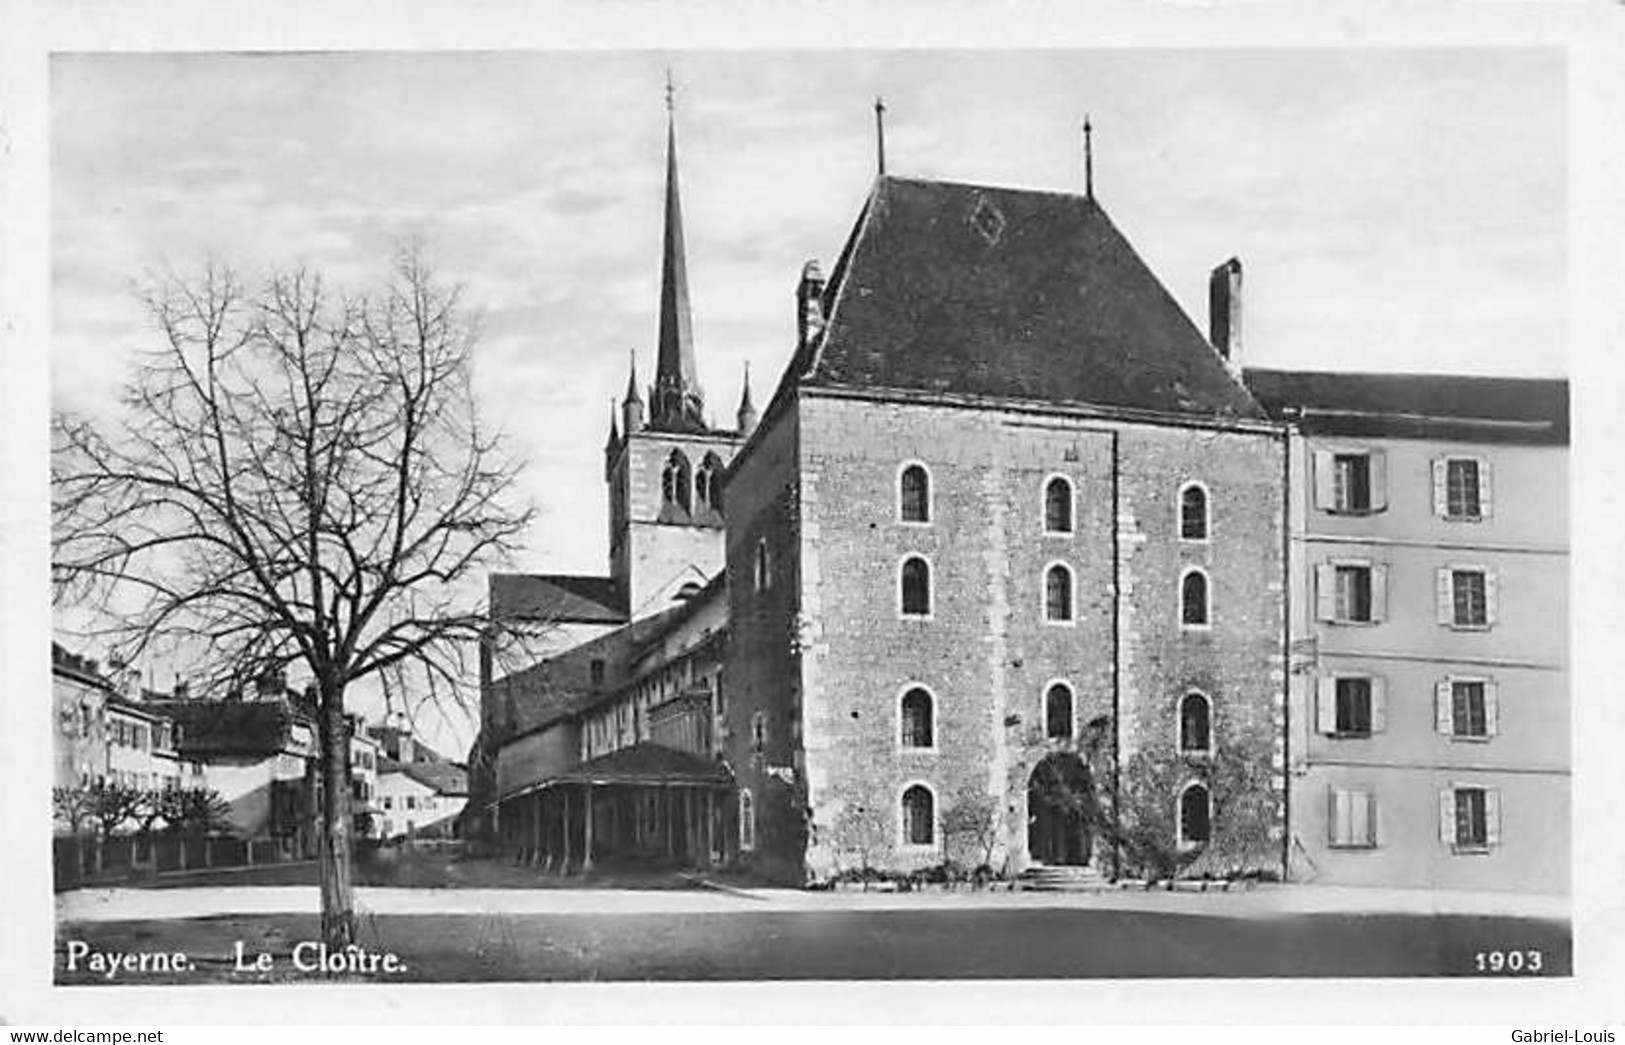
<point x="422" y="798"/>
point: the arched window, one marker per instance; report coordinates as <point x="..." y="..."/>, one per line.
<point x="675" y="485"/>
<point x="919" y="816"/>
<point x="1058" y="712"/>
<point x="1058" y="505"/>
<point x="761" y="567"/>
<point x="708" y="483"/>
<point x="1193" y="512"/>
<point x="919" y="729"/>
<point x="1195" y="815"/>
<point x="1195" y="724"/>
<point x="747" y="821"/>
<point x="1193" y="606"/>
<point x="1058" y="593"/>
<point x="914" y="580"/>
<point x="914" y="494"/>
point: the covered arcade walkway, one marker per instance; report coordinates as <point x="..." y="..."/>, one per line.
<point x="646" y="803"/>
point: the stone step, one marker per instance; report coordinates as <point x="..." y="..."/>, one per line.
<point x="1060" y="878"/>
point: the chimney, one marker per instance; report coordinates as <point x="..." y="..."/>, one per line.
<point x="809" y="304"/>
<point x="181" y="688"/>
<point x="1224" y="313"/>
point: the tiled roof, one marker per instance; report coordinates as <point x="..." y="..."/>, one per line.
<point x="1419" y="406"/>
<point x="978" y="291"/>
<point x="228" y="727"/>
<point x="390" y="738"/>
<point x="647" y="763"/>
<point x="558" y="598"/>
<point x="442" y="777"/>
<point x="562" y="685"/>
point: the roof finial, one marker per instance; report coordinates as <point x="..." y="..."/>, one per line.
<point x="1088" y="159"/>
<point x="671" y="92"/>
<point x="880" y="134"/>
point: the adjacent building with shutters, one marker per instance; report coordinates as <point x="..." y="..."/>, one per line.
<point x="1430" y="628"/>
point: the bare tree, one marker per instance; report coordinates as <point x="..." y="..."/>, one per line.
<point x="298" y="478"/>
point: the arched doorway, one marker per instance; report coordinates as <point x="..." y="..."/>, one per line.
<point x="1060" y="811"/>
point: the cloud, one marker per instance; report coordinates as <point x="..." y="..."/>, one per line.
<point x="1399" y="208"/>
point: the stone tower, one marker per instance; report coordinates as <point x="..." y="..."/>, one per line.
<point x="665" y="469"/>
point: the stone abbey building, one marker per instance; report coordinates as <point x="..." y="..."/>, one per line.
<point x="997" y="577"/>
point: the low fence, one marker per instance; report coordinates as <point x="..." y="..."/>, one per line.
<point x="88" y="860"/>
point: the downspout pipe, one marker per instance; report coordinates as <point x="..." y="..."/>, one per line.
<point x="1117" y="666"/>
<point x="1286" y="651"/>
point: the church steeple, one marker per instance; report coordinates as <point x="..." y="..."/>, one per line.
<point x="677" y="400"/>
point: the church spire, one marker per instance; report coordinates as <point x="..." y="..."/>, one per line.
<point x="747" y="410"/>
<point x="677" y="398"/>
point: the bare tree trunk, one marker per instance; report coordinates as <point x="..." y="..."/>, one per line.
<point x="338" y="901"/>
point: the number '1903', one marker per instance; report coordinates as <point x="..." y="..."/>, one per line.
<point x="1509" y="961"/>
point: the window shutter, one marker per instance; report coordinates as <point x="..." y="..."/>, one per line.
<point x="1379" y="704"/>
<point x="1447" y="816"/>
<point x="1359" y="817"/>
<point x="1444" y="709"/>
<point x="1492" y="816"/>
<point x="1441" y="486"/>
<point x="1492" y="707"/>
<point x="1324" y="497"/>
<point x="1486" y="489"/>
<point x="1326" y="592"/>
<point x="1444" y="604"/>
<point x="1379" y="593"/>
<point x="1492" y="596"/>
<point x="1370" y="818"/>
<point x="1334" y="822"/>
<point x="1379" y="480"/>
<point x="1326" y="704"/>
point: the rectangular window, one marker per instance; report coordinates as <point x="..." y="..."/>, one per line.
<point x="1469" y="596"/>
<point x="1462" y="489"/>
<point x="1351" y="706"/>
<point x="597" y="672"/>
<point x="1351" y="482"/>
<point x="1354" y="707"/>
<point x="1469" y="712"/>
<point x="1353" y="593"/>
<point x="1472" y="818"/>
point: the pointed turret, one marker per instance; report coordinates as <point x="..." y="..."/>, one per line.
<point x="677" y="401"/>
<point x="632" y="405"/>
<point x="612" y="442"/>
<point x="747" y="410"/>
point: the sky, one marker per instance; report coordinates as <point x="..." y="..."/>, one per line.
<point x="1395" y="210"/>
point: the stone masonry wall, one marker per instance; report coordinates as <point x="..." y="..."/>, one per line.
<point x="761" y="673"/>
<point x="1236" y="661"/>
<point x="988" y="655"/>
<point x="660" y="556"/>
